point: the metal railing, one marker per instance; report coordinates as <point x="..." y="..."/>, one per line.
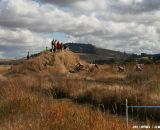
<point x="148" y="107"/>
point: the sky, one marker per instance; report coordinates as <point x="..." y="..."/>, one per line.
<point x="132" y="26"/>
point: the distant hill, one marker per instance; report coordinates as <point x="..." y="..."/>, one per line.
<point x="97" y="55"/>
<point x="82" y="48"/>
<point x="92" y="53"/>
<point x="10" y="61"/>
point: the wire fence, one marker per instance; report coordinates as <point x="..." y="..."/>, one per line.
<point x="147" y="107"/>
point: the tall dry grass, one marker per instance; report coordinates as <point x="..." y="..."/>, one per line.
<point x="110" y="89"/>
<point x="4" y="68"/>
<point x="24" y="105"/>
<point x="32" y="96"/>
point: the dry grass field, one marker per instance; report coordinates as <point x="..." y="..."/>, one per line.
<point x="4" y="69"/>
<point x="41" y="94"/>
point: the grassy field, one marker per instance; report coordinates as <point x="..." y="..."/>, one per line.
<point x="42" y="94"/>
<point x="26" y="104"/>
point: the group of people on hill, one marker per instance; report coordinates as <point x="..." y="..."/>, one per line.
<point x="57" y="45"/>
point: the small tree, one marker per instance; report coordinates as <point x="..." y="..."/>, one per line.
<point x="116" y="60"/>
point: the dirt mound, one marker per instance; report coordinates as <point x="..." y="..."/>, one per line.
<point x="59" y="62"/>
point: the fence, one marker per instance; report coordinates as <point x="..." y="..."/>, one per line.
<point x="149" y="107"/>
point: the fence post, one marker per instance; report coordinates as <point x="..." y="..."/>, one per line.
<point x="127" y="113"/>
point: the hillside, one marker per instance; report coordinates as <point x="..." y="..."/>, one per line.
<point x="91" y="53"/>
<point x="61" y="62"/>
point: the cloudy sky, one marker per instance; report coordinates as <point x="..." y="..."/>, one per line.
<point x="125" y="25"/>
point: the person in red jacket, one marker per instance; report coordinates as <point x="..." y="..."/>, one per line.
<point x="58" y="45"/>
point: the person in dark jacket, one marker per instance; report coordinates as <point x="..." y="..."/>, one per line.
<point x="28" y="56"/>
<point x="52" y="45"/>
<point x="55" y="46"/>
<point x="65" y="46"/>
<point x="61" y="46"/>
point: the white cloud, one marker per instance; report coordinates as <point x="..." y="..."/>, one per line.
<point x="20" y="37"/>
<point x="115" y="24"/>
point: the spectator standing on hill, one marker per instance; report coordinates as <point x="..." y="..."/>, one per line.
<point x="64" y="46"/>
<point x="58" y="45"/>
<point x="55" y="46"/>
<point x="46" y="48"/>
<point x="52" y="45"/>
<point x="28" y="56"/>
<point x="61" y="46"/>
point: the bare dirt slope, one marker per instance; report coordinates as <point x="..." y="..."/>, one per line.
<point x="60" y="62"/>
